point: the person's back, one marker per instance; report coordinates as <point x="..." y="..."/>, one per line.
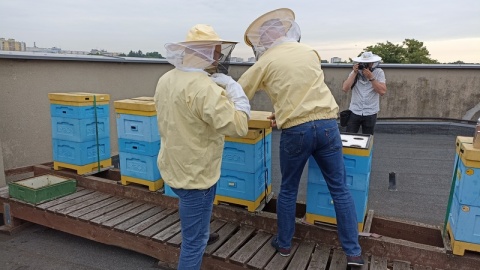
<point x="194" y="114"/>
<point x="296" y="84"/>
<point x="306" y="112"/>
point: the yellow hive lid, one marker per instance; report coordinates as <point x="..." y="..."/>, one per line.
<point x="258" y="119"/>
<point x="468" y="152"/>
<point x="252" y="137"/>
<point x="78" y="97"/>
<point x="143" y="98"/>
<point x="135" y="105"/>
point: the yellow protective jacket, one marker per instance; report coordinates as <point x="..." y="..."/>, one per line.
<point x="291" y="75"/>
<point x="194" y="115"/>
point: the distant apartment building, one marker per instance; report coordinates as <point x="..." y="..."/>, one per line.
<point x="12" y="45"/>
<point x="335" y="60"/>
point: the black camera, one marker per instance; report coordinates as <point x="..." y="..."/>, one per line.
<point x="362" y="66"/>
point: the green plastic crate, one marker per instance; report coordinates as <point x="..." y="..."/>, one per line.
<point x="42" y="188"/>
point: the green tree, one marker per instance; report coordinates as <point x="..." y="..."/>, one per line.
<point x="416" y="53"/>
<point x="411" y="51"/>
<point x="153" y="55"/>
<point x="390" y="53"/>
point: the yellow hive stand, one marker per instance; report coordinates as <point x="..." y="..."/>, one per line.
<point x="251" y="205"/>
<point x="311" y="218"/>
<point x="152" y="185"/>
<point x="84" y="169"/>
<point x="458" y="247"/>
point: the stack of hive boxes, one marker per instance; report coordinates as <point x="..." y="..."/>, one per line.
<point x="246" y="176"/>
<point x="464" y="217"/>
<point x="357" y="156"/>
<point x="138" y="142"/>
<point x="80" y="131"/>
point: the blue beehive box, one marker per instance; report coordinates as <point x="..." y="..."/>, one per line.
<point x="464" y="222"/>
<point x="357" y="181"/>
<point x="137" y="127"/>
<point x="168" y="191"/>
<point x="139" y="147"/>
<point x="467" y="184"/>
<point x="139" y="166"/>
<point x="80" y="153"/>
<point x="79" y="112"/>
<point x="247" y="154"/>
<point x="244" y="185"/>
<point x="319" y="201"/>
<point x="81" y="129"/>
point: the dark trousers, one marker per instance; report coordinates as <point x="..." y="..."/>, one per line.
<point x="367" y="122"/>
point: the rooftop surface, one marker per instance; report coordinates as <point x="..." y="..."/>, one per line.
<point x="422" y="158"/>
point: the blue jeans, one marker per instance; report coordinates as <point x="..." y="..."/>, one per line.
<point x="195" y="208"/>
<point x="320" y="139"/>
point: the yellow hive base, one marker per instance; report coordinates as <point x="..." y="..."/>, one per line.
<point x="251" y="205"/>
<point x="311" y="218"/>
<point x="84" y="169"/>
<point x="458" y="247"/>
<point x="152" y="185"/>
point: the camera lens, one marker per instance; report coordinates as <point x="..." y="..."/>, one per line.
<point x="361" y="66"/>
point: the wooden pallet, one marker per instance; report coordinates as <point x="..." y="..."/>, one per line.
<point x="155" y="230"/>
<point x="148" y="223"/>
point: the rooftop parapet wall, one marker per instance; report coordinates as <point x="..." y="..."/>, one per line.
<point x="434" y="91"/>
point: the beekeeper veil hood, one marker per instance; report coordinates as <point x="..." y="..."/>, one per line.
<point x="270" y="29"/>
<point x="203" y="49"/>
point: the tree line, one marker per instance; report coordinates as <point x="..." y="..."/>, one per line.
<point x="410" y="51"/>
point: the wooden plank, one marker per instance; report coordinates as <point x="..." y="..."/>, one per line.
<point x="279" y="262"/>
<point x="368" y="222"/>
<point x="319" y="258"/>
<point x="137" y="219"/>
<point x="232" y="245"/>
<point x="157" y="227"/>
<point x="216" y="224"/>
<point x="117" y="212"/>
<point x="243" y="255"/>
<point x="302" y="256"/>
<point x="339" y="261"/>
<point x="72" y="196"/>
<point x="378" y="263"/>
<point x="150" y="221"/>
<point x="177" y="240"/>
<point x="93" y="207"/>
<point x="128" y="215"/>
<point x="75" y="201"/>
<point x="398" y="265"/>
<point x="96" y="233"/>
<point x="87" y="203"/>
<point x="169" y="232"/>
<point x="224" y="233"/>
<point x="418" y="267"/>
<point x="106" y="209"/>
<point x="263" y="256"/>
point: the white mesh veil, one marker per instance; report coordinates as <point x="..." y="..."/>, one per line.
<point x="271" y="29"/>
<point x="212" y="56"/>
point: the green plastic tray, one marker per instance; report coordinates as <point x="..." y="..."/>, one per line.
<point x="42" y="188"/>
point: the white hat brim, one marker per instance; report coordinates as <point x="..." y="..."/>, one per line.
<point x="372" y="59"/>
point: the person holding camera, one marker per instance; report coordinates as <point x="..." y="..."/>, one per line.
<point x="367" y="82"/>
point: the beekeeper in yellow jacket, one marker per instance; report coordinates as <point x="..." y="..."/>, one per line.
<point x="306" y="112"/>
<point x="194" y="116"/>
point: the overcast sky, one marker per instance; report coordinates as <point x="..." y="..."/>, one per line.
<point x="449" y="29"/>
